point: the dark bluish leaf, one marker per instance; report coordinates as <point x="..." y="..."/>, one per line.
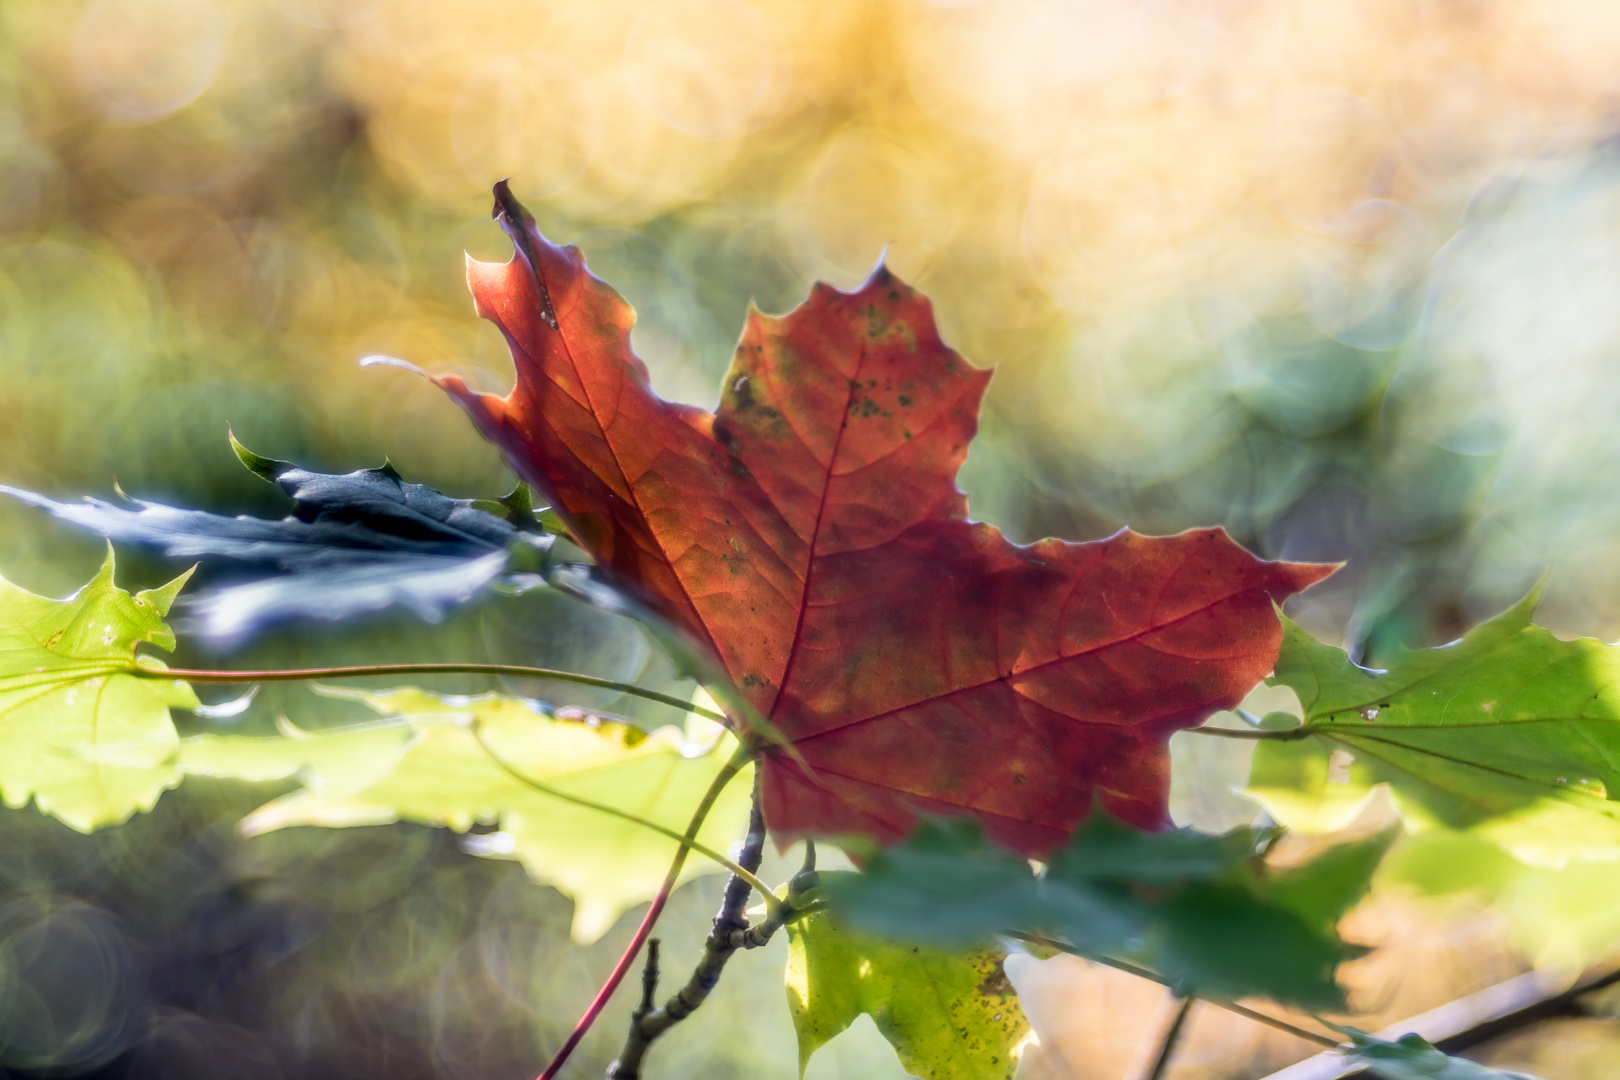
<point x="353" y="544"/>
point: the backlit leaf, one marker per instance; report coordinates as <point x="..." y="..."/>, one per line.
<point x="949" y="1016"/>
<point x="809" y="536"/>
<point x="1508" y="730"/>
<point x="426" y="765"/>
<point x="84" y="738"/>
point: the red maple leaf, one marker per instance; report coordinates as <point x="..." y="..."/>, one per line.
<point x="810" y="535"/>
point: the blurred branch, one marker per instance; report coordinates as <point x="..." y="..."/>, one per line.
<point x="1490" y="1013"/>
<point x="731" y="931"/>
<point x="1179" y="1008"/>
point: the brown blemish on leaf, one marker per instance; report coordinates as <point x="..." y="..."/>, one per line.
<point x="996" y="984"/>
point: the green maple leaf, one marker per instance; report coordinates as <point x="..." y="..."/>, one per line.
<point x="949" y="1016"/>
<point x="88" y="741"/>
<point x="427" y="765"/>
<point x="1197" y="909"/>
<point x="1509" y="731"/>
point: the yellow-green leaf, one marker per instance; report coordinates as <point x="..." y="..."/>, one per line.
<point x="84" y="738"/>
<point x="429" y="767"/>
<point x="949" y="1016"/>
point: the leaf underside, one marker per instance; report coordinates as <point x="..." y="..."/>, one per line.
<point x="809" y="536"/>
<point x="354" y="544"/>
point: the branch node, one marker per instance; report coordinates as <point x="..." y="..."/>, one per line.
<point x="731" y="931"/>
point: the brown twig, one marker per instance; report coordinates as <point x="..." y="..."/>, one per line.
<point x="730" y="932"/>
<point x="735" y="765"/>
<point x="1180" y="1007"/>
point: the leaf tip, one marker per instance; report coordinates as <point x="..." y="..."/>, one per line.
<point x="1532" y="599"/>
<point x="379" y="360"/>
<point x="268" y="469"/>
<point x="109" y="566"/>
<point x="519" y="225"/>
<point x="1305" y="574"/>
<point x="880" y="269"/>
<point x="502" y="191"/>
<point x="163" y="596"/>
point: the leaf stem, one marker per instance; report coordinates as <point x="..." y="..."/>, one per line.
<point x="1153" y="976"/>
<point x="771" y="902"/>
<point x="1285" y="735"/>
<point x="193" y="675"/>
<point x="742" y="757"/>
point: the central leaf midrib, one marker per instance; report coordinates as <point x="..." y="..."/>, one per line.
<point x="815" y="537"/>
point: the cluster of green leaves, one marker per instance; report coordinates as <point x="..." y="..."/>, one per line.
<point x="87" y="735"/>
<point x="1205" y="912"/>
<point x="1498" y="751"/>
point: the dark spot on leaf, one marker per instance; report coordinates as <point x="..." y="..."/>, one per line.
<point x="905" y="402"/>
<point x="996" y="984"/>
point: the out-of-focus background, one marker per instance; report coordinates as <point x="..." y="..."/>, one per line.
<point x="1340" y="276"/>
